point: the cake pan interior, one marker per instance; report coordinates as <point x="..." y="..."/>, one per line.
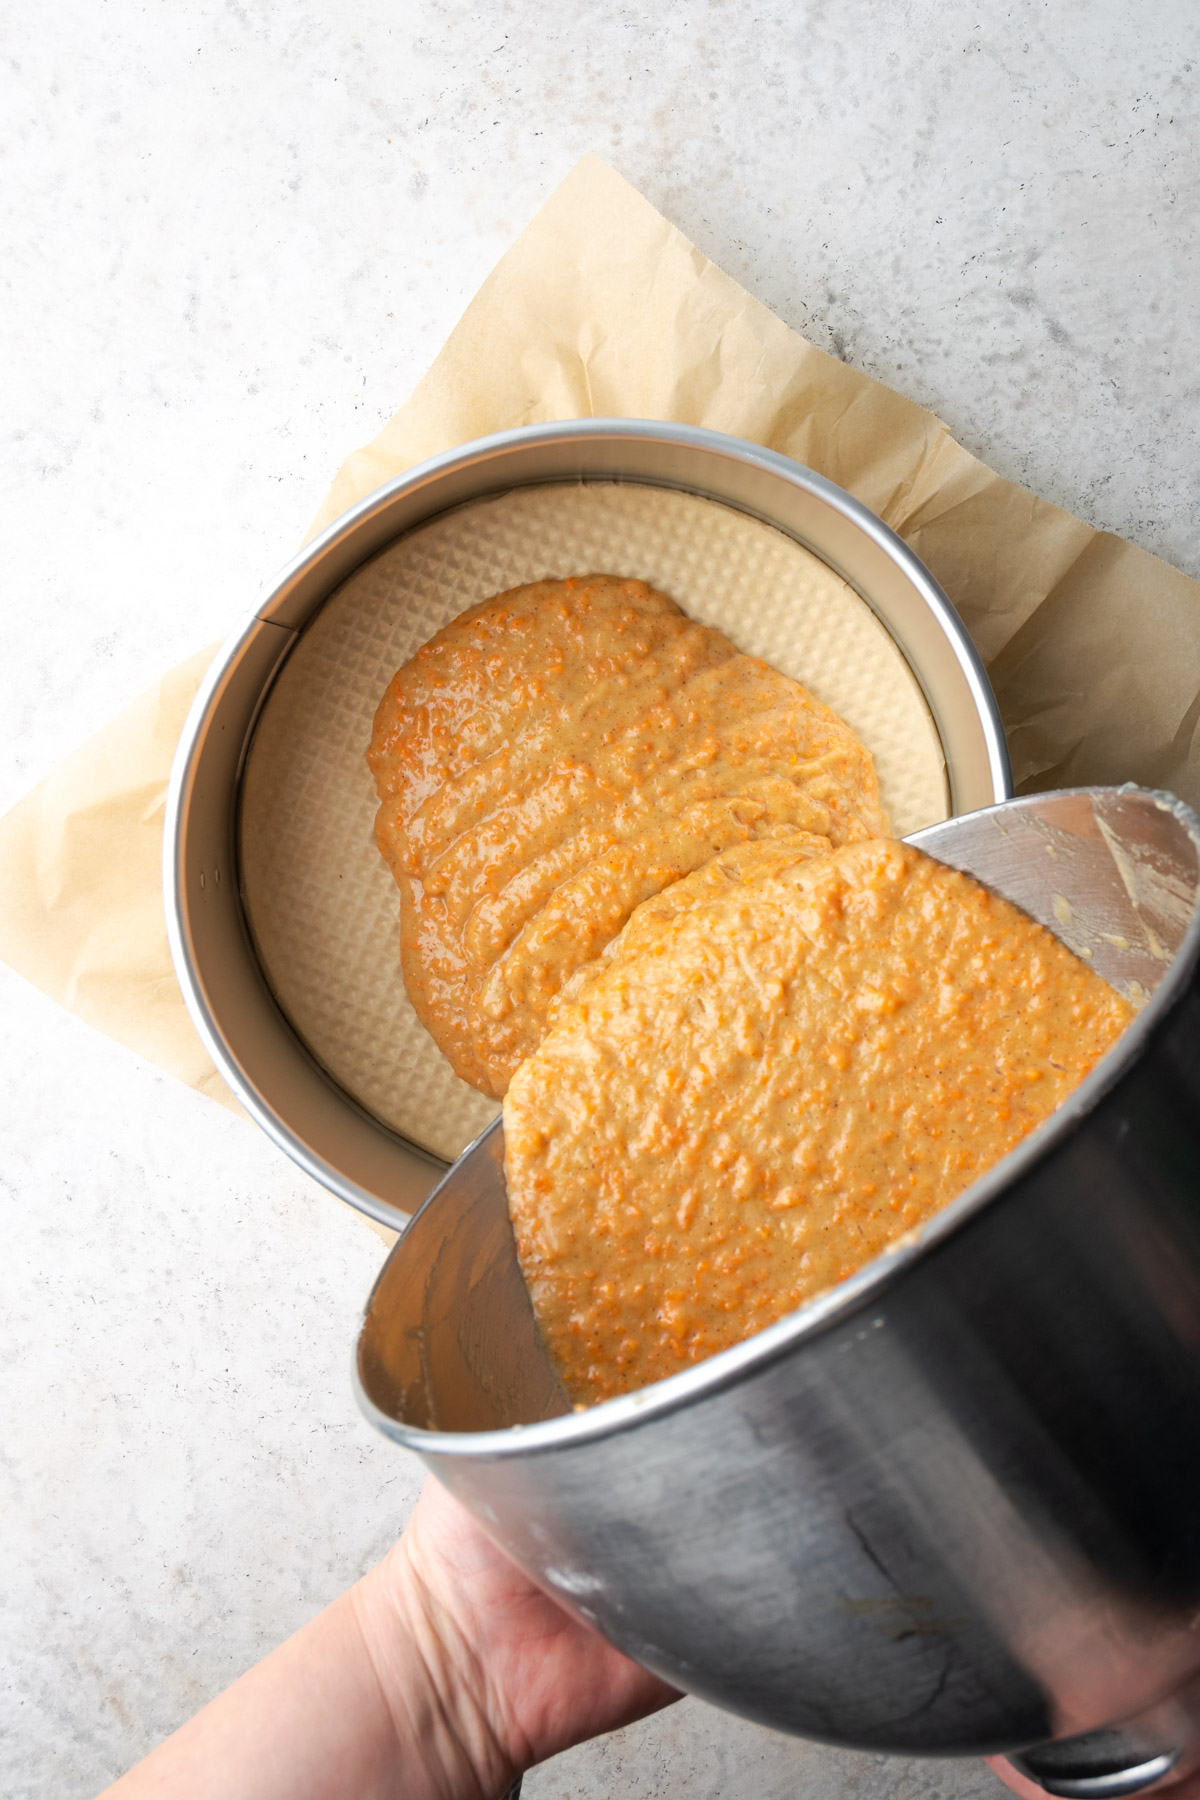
<point x="310" y="1116"/>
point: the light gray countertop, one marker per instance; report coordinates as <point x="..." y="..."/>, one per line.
<point x="235" y="235"/>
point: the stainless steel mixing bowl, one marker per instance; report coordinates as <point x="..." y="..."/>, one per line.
<point x="271" y="1071"/>
<point x="950" y="1506"/>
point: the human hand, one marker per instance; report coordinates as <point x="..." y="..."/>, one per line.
<point x="442" y="1675"/>
<point x="517" y="1679"/>
<point x="1029" y="1790"/>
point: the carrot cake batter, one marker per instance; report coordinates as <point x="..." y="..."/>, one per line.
<point x="781" y="1065"/>
<point x="562" y="753"/>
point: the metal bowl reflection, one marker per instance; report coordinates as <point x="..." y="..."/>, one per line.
<point x="949" y="1506"/>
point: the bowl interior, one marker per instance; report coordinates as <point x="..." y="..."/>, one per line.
<point x="449" y="1342"/>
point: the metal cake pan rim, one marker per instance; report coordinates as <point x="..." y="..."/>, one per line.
<point x="488" y="454"/>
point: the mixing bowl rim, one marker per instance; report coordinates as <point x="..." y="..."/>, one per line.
<point x="727" y="1367"/>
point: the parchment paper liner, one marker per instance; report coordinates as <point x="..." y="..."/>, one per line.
<point x="322" y="905"/>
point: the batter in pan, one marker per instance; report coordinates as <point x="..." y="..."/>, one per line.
<point x="561" y="754"/>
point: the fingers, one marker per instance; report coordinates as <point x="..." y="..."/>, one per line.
<point x="1019" y="1784"/>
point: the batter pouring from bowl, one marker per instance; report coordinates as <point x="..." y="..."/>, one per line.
<point x="780" y="1068"/>
<point x="747" y="1040"/>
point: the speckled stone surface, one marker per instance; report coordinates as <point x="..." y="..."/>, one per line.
<point x="234" y="235"/>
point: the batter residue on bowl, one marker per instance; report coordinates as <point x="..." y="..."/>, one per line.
<point x="781" y="1065"/>
<point x="560" y="754"/>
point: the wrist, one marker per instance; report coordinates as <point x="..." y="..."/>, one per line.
<point x="433" y="1686"/>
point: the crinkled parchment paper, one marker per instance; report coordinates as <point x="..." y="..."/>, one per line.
<point x="602" y="308"/>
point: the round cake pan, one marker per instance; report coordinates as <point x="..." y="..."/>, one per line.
<point x="273" y="1074"/>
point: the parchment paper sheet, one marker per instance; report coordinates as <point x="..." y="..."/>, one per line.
<point x="602" y="307"/>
